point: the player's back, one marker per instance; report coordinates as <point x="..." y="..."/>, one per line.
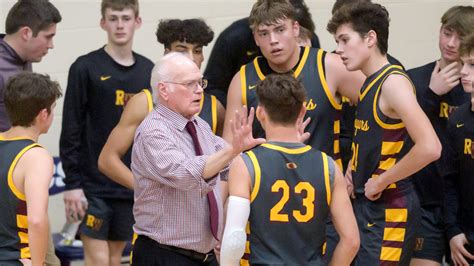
<point x="291" y="184"/>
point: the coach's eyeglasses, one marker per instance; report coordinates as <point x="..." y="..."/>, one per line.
<point x="192" y="85"/>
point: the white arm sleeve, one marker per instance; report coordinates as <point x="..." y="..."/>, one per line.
<point x="233" y="242"/>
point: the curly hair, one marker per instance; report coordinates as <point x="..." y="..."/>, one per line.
<point x="194" y="31"/>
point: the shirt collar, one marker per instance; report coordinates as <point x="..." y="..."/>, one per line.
<point x="176" y="119"/>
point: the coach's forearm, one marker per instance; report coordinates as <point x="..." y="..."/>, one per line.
<point x="218" y="161"/>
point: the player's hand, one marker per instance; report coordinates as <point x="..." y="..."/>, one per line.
<point x="26" y="262"/>
<point x="217" y="252"/>
<point x="241" y="128"/>
<point x="74" y="205"/>
<point x="373" y="188"/>
<point x="458" y="251"/>
<point x="444" y="80"/>
<point x="303" y="136"/>
<point x="350" y="184"/>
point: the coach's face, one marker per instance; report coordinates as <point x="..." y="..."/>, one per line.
<point x="183" y="94"/>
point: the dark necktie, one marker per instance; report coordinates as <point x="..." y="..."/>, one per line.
<point x="211" y="198"/>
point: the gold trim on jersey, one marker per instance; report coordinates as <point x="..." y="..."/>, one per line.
<point x="243" y="85"/>
<point x="12" y="186"/>
<point x="149" y="100"/>
<point x="256" y="167"/>
<point x="302" y="62"/>
<point x="391" y="147"/>
<point x="287" y="150"/>
<point x="214" y="113"/>
<point x="326" y="177"/>
<point x="2" y="138"/>
<point x="324" y="83"/>
<point x="257" y="68"/>
<point x="379" y="121"/>
<point x="361" y="96"/>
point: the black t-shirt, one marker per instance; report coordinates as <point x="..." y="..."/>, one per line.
<point x="98" y="89"/>
<point x="429" y="180"/>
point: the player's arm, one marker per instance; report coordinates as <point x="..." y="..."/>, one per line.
<point x="37" y="165"/>
<point x="397" y="100"/>
<point x="220" y="117"/>
<point x="234" y="104"/>
<point x="340" y="80"/>
<point x="73" y="124"/>
<point x="238" y="211"/>
<point x="120" y="141"/>
<point x="344" y="222"/>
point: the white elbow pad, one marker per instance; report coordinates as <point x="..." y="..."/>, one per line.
<point x="233" y="242"/>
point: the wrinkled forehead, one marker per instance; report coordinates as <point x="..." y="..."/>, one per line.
<point x="186" y="72"/>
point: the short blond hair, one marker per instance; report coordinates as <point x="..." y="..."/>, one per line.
<point x="119" y="5"/>
<point x="270" y="11"/>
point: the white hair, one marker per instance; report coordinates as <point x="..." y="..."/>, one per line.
<point x="166" y="69"/>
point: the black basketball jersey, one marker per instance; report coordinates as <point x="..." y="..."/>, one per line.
<point x="13" y="218"/>
<point x="209" y="110"/>
<point x="291" y="193"/>
<point x="379" y="141"/>
<point x="321" y="106"/>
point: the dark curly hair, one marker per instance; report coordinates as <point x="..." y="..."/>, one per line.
<point x="194" y="31"/>
<point x="363" y="17"/>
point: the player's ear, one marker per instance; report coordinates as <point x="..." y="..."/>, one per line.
<point x="371" y="38"/>
<point x="260" y="113"/>
<point x="302" y="112"/>
<point x="163" y="91"/>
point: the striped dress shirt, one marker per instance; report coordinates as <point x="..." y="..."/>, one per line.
<point x="170" y="194"/>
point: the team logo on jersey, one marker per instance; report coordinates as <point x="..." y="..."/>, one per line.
<point x="361" y="125"/>
<point x="104" y="78"/>
<point x="291" y="165"/>
<point x="93" y="222"/>
<point x="121" y="98"/>
<point x="419" y="243"/>
<point x="445" y="110"/>
<point x="472" y="150"/>
<point x="310" y="105"/>
<point x="469" y="147"/>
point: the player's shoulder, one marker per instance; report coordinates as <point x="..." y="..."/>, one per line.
<point x="421" y="72"/>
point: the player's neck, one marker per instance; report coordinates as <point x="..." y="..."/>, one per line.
<point x="22" y="132"/>
<point x="121" y="54"/>
<point x="374" y="64"/>
<point x="282" y="133"/>
<point x="289" y="64"/>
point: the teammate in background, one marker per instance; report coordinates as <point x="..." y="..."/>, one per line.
<point x="235" y="47"/>
<point x="30" y="27"/>
<point x="184" y="36"/>
<point x="269" y="184"/>
<point x="438" y="92"/>
<point x="323" y="75"/>
<point x="385" y="204"/>
<point x="99" y="85"/>
<point x="459" y="199"/>
<point x="26" y="169"/>
<point x="348" y="107"/>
